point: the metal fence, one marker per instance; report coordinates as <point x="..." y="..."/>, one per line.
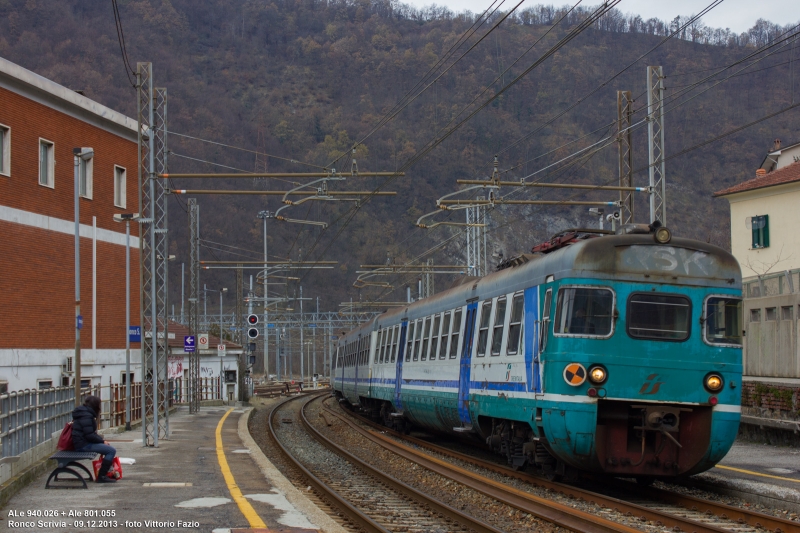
<point x="30" y="417"/>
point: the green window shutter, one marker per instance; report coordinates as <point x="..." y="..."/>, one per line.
<point x="765" y="232"/>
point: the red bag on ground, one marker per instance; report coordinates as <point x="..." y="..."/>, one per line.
<point x="65" y="440"/>
<point x="115" y="472"/>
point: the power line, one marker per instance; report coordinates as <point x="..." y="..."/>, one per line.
<point x="289" y="160"/>
<point x="122" y="48"/>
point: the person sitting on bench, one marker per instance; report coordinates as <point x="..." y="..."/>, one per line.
<point x="86" y="439"/>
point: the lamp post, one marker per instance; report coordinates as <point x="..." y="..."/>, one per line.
<point x="79" y="156"/>
<point x="221" y="340"/>
<point x="127" y="217"/>
<point x="264" y="215"/>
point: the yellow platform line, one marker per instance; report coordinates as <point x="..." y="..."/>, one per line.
<point x="244" y="506"/>
<point x="750" y="472"/>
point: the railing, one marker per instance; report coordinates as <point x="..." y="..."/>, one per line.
<point x="30" y="417"/>
<point x="209" y="389"/>
<point x="773" y="284"/>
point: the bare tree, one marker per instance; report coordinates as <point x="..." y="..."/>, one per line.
<point x="762" y="268"/>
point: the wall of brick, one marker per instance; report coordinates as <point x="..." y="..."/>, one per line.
<point x="31" y="120"/>
<point x="37" y="265"/>
<point x="780" y="399"/>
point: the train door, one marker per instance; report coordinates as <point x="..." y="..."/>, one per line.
<point x="533" y="343"/>
<point x="359" y="354"/>
<point x="398" y="404"/>
<point x="466" y="364"/>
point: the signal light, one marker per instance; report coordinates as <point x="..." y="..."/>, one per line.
<point x="252" y="320"/>
<point x="252" y="333"/>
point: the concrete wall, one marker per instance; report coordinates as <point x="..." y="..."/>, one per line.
<point x="770" y="345"/>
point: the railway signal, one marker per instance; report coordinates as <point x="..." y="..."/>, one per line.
<point x="252" y="332"/>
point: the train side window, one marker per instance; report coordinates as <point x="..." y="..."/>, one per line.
<point x="423" y="356"/>
<point x="659" y="316"/>
<point x="409" y="340"/>
<point x="445" y="335"/>
<point x="499" y="324"/>
<point x="483" y="336"/>
<point x="437" y="322"/>
<point x="515" y="325"/>
<point x="381" y="346"/>
<point x="418" y="337"/>
<point x="395" y="337"/>
<point x="723" y="321"/>
<point x="456" y="334"/>
<point x="584" y="311"/>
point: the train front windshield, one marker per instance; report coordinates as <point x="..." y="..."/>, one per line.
<point x="723" y="320"/>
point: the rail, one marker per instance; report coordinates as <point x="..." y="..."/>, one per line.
<point x="686" y="502"/>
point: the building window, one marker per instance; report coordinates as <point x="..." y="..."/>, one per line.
<point x="47" y="163"/>
<point x="772" y="313"/>
<point x="755" y="315"/>
<point x="3" y="387"/>
<point x="85" y="175"/>
<point x="5" y="150"/>
<point x="786" y="313"/>
<point x="760" y="227"/>
<point x="45" y="384"/>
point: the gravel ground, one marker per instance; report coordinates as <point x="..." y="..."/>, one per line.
<point x="455" y="494"/>
<point x="478" y="451"/>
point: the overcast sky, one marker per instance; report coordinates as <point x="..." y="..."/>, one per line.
<point x="738" y="15"/>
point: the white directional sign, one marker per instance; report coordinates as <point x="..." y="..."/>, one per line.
<point x="202" y="341"/>
<point x="220" y="349"/>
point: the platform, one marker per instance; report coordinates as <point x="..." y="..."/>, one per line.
<point x="207" y="476"/>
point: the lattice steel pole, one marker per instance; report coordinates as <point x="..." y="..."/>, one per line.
<point x="655" y="134"/>
<point x="624" y="139"/>
<point x="480" y="236"/>
<point x="194" y="303"/>
<point x="162" y="255"/>
<point x="427" y="280"/>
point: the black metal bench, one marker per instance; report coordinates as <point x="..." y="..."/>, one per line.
<point x="67" y="460"/>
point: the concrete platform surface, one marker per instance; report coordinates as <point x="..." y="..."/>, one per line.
<point x="206" y="477"/>
<point x="766" y="470"/>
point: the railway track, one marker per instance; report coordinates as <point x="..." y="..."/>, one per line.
<point x="361" y="496"/>
<point x="664" y="508"/>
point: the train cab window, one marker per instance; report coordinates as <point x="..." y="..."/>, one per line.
<point x="515" y="325"/>
<point x="723" y="321"/>
<point x="445" y="334"/>
<point x="437" y="321"/>
<point x="395" y="337"/>
<point x="423" y="356"/>
<point x="409" y="340"/>
<point x="454" y="336"/>
<point x="584" y="311"/>
<point x="499" y="324"/>
<point x="483" y="335"/>
<point x="659" y="316"/>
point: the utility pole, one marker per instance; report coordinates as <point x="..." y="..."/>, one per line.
<point x="624" y="140"/>
<point x="240" y="338"/>
<point x="194" y="303"/>
<point x="183" y="286"/>
<point x="265" y="215"/>
<point x="301" y="333"/>
<point x="655" y="135"/>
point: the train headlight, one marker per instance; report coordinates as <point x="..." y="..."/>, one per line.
<point x="597" y="374"/>
<point x="662" y="235"/>
<point x="713" y="382"/>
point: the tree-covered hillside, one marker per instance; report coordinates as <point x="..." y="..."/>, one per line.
<point x="305" y="79"/>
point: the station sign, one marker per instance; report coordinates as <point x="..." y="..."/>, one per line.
<point x="135" y="333"/>
<point x="189" y="345"/>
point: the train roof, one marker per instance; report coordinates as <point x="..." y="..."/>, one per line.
<point x="631" y="257"/>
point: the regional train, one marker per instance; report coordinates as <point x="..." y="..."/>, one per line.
<point x="618" y="354"/>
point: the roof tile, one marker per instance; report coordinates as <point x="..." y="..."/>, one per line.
<point x="787" y="174"/>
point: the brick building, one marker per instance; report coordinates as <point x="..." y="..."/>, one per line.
<point x="41" y="123"/>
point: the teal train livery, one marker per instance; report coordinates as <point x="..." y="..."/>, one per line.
<point x="617" y="354"/>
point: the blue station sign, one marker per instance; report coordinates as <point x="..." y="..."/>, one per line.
<point x="135" y="333"/>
